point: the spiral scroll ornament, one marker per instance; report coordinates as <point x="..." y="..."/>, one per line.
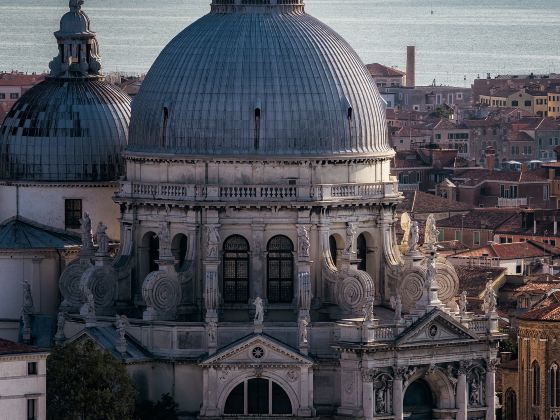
<point x="448" y="281"/>
<point x="354" y="292"/>
<point x="69" y="283"/>
<point x="411" y="289"/>
<point x="162" y="293"/>
<point x="101" y="281"/>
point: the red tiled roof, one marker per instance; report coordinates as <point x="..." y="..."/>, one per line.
<point x="9" y="347"/>
<point x="20" y="79"/>
<point x="421" y="202"/>
<point x="478" y="219"/>
<point x="548" y="309"/>
<point x="538" y="287"/>
<point x="474" y="279"/>
<point x="528" y="249"/>
<point x="379" y="70"/>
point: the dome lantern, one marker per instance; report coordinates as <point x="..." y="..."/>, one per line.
<point x="78" y="50"/>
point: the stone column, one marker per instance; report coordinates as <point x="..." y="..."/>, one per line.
<point x="367" y="395"/>
<point x="398" y="396"/>
<point x="257" y="287"/>
<point x="461" y="400"/>
<point x="491" y="389"/>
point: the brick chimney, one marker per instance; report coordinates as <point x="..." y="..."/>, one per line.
<point x="490" y="157"/>
<point x="410" y="66"/>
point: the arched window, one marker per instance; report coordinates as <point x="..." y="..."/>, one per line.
<point x="536" y="383"/>
<point x="554" y="380"/>
<point x="333" y="248"/>
<point x="510" y="405"/>
<point x="258" y="397"/>
<point x="179" y="247"/>
<point x="236" y="269"/>
<point x="280" y="273"/>
<point x="361" y="245"/>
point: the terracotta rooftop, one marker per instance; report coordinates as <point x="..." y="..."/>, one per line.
<point x="538" y="287"/>
<point x="528" y="249"/>
<point x="472" y="177"/>
<point x="9" y="347"/>
<point x="421" y="202"/>
<point x="548" y="309"/>
<point x="379" y="70"/>
<point x="474" y="279"/>
<point x="478" y="219"/>
<point x="20" y="79"/>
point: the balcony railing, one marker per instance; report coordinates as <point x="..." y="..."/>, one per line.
<point x="243" y="193"/>
<point x="409" y="187"/>
<point x="512" y="202"/>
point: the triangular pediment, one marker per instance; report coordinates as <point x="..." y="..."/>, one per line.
<point x="435" y="327"/>
<point x="257" y="349"/>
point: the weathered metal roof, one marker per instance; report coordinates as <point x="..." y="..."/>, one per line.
<point x="258" y="79"/>
<point x="22" y="234"/>
<point x="72" y="126"/>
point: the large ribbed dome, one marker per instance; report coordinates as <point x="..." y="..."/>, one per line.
<point x="258" y="79"/>
<point x="74" y="125"/>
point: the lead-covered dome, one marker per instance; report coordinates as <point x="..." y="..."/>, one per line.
<point x="74" y="125"/>
<point x="258" y="79"/>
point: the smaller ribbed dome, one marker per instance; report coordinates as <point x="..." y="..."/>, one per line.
<point x="72" y="126"/>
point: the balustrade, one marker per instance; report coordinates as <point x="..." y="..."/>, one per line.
<point x="320" y="192"/>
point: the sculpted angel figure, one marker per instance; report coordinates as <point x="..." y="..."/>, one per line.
<point x="304" y="244"/>
<point x="405" y="226"/>
<point x="121" y="322"/>
<point x="259" y="310"/>
<point x="303" y="331"/>
<point x="85" y="229"/>
<point x="102" y="238"/>
<point x="431" y="233"/>
<point x="413" y="237"/>
<point x="463" y="303"/>
<point x="396" y="304"/>
<point x="490" y="301"/>
<point x="213" y="241"/>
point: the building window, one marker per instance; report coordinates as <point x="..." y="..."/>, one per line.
<point x="527" y="103"/>
<point x="554" y="385"/>
<point x="536" y="384"/>
<point x="518" y="267"/>
<point x="32" y="409"/>
<point x="476" y="238"/>
<point x="2" y="96"/>
<point x="72" y="213"/>
<point x="546" y="194"/>
<point x="361" y="248"/>
<point x="441" y="235"/>
<point x="14" y="95"/>
<point x="514" y="103"/>
<point x="32" y="368"/>
<point x="258" y="397"/>
<point x="510" y="405"/>
<point x="458" y="235"/>
<point x="236" y="269"/>
<point x="280" y="273"/>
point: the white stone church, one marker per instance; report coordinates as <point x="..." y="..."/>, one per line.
<point x="258" y="272"/>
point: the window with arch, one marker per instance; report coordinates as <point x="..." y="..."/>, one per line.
<point x="361" y="246"/>
<point x="333" y="248"/>
<point x="236" y="269"/>
<point x="259" y="397"/>
<point x="280" y="270"/>
<point x="179" y="247"/>
<point x="536" y="383"/>
<point x="510" y="409"/>
<point x="554" y="386"/>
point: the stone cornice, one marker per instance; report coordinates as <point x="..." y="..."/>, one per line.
<point x="67" y="184"/>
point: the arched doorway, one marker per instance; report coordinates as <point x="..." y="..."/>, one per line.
<point x="258" y="396"/>
<point x="510" y="406"/>
<point x="418" y="401"/>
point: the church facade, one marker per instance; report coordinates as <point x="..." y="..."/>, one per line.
<point x="259" y="272"/>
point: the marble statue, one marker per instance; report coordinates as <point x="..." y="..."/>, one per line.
<point x="413" y="237"/>
<point x="213" y="238"/>
<point x="350" y="235"/>
<point x="164" y="237"/>
<point x="304" y="244"/>
<point x="368" y="310"/>
<point x="259" y="311"/>
<point x="85" y="228"/>
<point x="490" y="301"/>
<point x="405" y="226"/>
<point x="212" y="332"/>
<point x="463" y="303"/>
<point x="121" y="323"/>
<point x="303" y="331"/>
<point x="27" y="307"/>
<point x="396" y="304"/>
<point x="431" y="233"/>
<point x="102" y="239"/>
